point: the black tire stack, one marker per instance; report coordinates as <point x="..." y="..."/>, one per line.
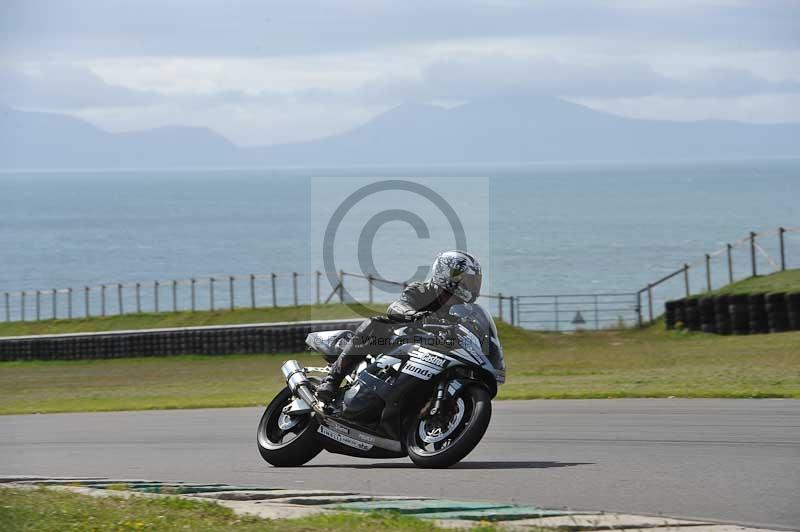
<point x="793" y="310"/>
<point x="758" y="313"/>
<point x="708" y="320"/>
<point x="692" y="310"/>
<point x="739" y="311"/>
<point x="777" y="312"/>
<point x="722" y="314"/>
<point x="735" y="313"/>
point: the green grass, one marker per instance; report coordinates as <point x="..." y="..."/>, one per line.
<point x="787" y="281"/>
<point x="182" y="319"/>
<point x="47" y="510"/>
<point x="650" y="362"/>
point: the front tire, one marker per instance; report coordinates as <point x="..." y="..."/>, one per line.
<point x="437" y="446"/>
<point x="285" y="441"/>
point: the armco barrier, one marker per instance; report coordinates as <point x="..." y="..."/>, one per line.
<point x="286" y="337"/>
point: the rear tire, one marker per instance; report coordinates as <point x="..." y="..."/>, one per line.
<point x="287" y="447"/>
<point x="465" y="436"/>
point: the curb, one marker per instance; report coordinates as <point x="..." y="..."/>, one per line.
<point x="280" y="503"/>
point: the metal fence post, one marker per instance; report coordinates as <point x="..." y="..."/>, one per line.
<point x="86" y="308"/>
<point x="511" y="309"/>
<point x="274" y="295"/>
<point x="103" y="300"/>
<point x="753" y="252"/>
<point x="22" y="305"/>
<point x="155" y="295"/>
<point x="119" y="299"/>
<point x="193" y="284"/>
<point x="55" y="303"/>
<point x="369" y="283"/>
<point x="686" y="279"/>
<point x="230" y="289"/>
<point x="650" y="301"/>
<point x="252" y="291"/>
<point x="782" y="230"/>
<point x="728" y="247"/>
<point x="6" y="297"/>
<point x="341" y="286"/>
<point x="596" y="317"/>
<point x="708" y="271"/>
<point x="639" y="308"/>
<point x="38" y="306"/>
<point x="174" y="295"/>
<point x="138" y="298"/>
<point x="294" y="287"/>
<point x="319" y="274"/>
<point x="555" y="300"/>
<point x="211" y="293"/>
<point x="69" y="303"/>
<point x="500" y="304"/>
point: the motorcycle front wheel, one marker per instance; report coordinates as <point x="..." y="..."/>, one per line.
<point x="287" y="441"/>
<point x="437" y="443"/>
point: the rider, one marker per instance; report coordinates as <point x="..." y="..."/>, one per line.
<point x="455" y="278"/>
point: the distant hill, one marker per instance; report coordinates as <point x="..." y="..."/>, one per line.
<point x="503" y="130"/>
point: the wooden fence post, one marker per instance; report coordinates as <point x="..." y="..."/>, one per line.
<point x="252" y="291"/>
<point x="728" y="248"/>
<point x="686" y="279"/>
<point x="211" y="293"/>
<point x="119" y="299"/>
<point x="500" y="304"/>
<point x="781" y="231"/>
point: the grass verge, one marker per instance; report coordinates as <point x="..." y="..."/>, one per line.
<point x="650" y="362"/>
<point x="50" y="510"/>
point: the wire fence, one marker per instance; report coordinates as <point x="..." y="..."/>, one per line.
<point x="572" y="312"/>
<point x="755" y="254"/>
<point x="212" y="293"/>
<point x="758" y="253"/>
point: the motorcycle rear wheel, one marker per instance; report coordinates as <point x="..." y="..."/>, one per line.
<point x="285" y="441"/>
<point x="440" y="447"/>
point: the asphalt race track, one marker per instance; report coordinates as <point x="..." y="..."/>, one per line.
<point x="726" y="460"/>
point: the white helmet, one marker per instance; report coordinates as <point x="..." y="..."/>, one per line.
<point x="459" y="273"/>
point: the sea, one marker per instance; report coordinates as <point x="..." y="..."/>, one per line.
<point x="539" y="229"/>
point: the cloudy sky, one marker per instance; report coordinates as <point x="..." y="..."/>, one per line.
<point x="264" y="72"/>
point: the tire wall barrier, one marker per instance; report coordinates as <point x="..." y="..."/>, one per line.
<point x="224" y="340"/>
<point x="735" y="313"/>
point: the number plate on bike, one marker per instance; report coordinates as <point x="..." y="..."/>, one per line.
<point x="341" y="438"/>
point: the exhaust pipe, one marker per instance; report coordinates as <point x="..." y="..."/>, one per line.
<point x="298" y="382"/>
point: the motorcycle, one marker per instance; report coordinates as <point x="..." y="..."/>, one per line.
<point x="428" y="396"/>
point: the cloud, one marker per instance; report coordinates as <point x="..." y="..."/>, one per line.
<point x="255" y="28"/>
<point x="60" y="86"/>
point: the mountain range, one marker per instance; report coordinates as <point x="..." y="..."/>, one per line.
<point x="514" y="129"/>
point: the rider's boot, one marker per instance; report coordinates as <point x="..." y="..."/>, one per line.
<point x="327" y="389"/>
